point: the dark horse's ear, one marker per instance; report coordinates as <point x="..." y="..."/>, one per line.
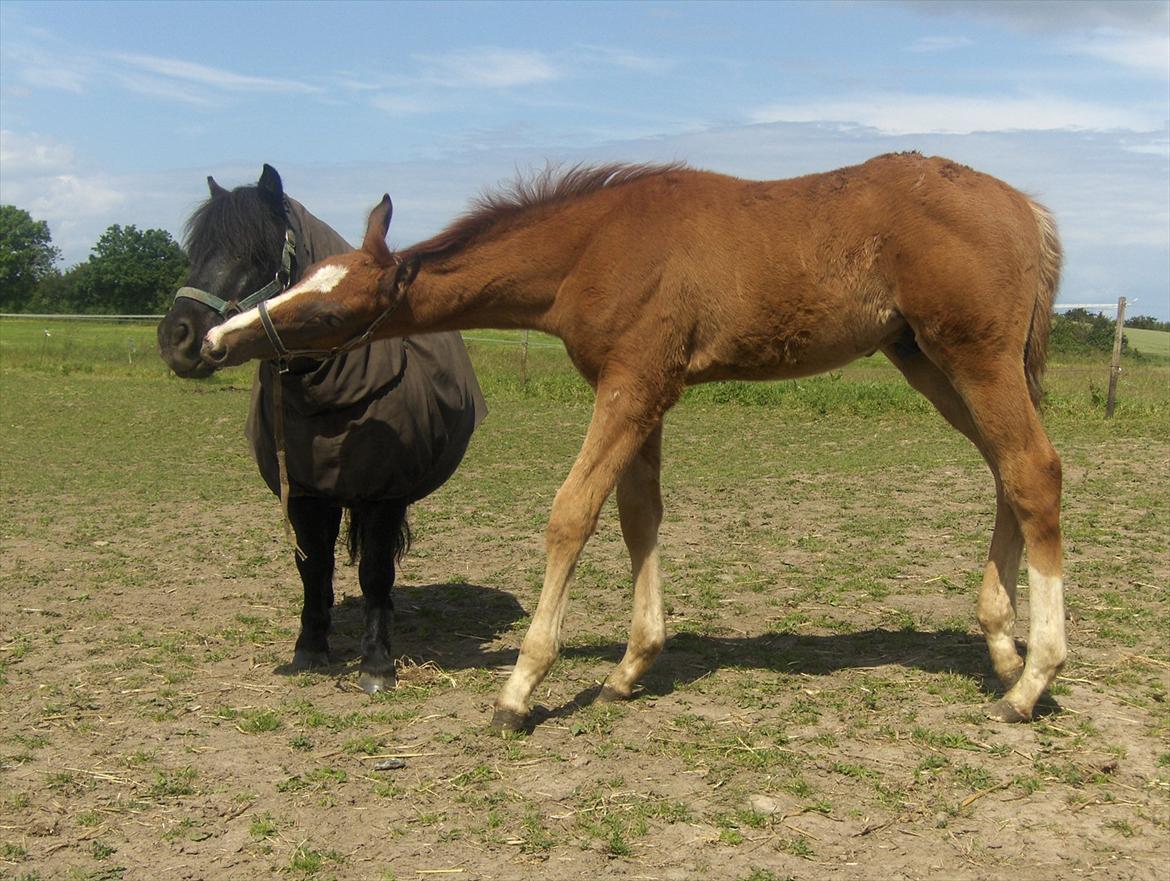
<point x="374" y="243"/>
<point x="271" y="189"/>
<point x="216" y="189"/>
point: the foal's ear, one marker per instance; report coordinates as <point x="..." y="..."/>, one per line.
<point x="271" y="188"/>
<point x="214" y="188"/>
<point x="393" y="285"/>
<point x="407" y="270"/>
<point x="374" y="243"/>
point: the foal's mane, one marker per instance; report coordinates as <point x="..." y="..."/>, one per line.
<point x="239" y="222"/>
<point x="551" y="186"/>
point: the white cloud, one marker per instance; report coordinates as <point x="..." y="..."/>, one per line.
<point x="495" y="67"/>
<point x="402" y="105"/>
<point x="1154" y="146"/>
<point x="895" y="113"/>
<point x="24" y="153"/>
<point x="431" y="87"/>
<point x="203" y="75"/>
<point x="605" y="56"/>
<point x="70" y="69"/>
<point x="71" y="194"/>
<point x="1133" y="34"/>
<point x="1144" y="53"/>
<point x="47" y="77"/>
<point x="157" y="87"/>
<point x="43" y="68"/>
<point x="1049" y="17"/>
<point x="489" y="68"/>
<point x="939" y="44"/>
<point x="76" y="207"/>
<point x="62" y="195"/>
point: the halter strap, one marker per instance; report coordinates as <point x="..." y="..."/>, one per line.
<point x="273" y="337"/>
<point x="228" y="308"/>
<point x="284" y="354"/>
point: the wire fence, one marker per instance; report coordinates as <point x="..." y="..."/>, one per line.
<point x="58" y="316"/>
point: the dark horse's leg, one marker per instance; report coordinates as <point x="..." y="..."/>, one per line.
<point x="378" y="531"/>
<point x="316" y="522"/>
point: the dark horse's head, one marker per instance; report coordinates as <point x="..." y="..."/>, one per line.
<point x="235" y="241"/>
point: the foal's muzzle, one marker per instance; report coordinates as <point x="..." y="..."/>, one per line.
<point x="216" y="357"/>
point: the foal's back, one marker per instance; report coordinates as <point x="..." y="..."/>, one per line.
<point x="770" y="279"/>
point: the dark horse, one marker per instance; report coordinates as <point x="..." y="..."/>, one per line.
<point x="370" y="431"/>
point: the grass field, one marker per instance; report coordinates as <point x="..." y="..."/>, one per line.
<point x="1076" y="385"/>
<point x="1149" y="342"/>
<point x="816" y="712"/>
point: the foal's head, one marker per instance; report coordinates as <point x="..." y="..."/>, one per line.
<point x="334" y="304"/>
<point x="234" y="241"/>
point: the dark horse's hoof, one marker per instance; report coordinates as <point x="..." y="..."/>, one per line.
<point x="508" y="720"/>
<point x="1002" y="711"/>
<point x="373" y="683"/>
<point x="307" y="659"/>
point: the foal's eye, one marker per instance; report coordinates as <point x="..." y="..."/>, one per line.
<point x="333" y="320"/>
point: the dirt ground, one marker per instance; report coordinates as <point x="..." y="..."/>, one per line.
<point x="816" y="712"/>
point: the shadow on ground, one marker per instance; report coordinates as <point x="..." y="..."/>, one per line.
<point x="444" y="623"/>
<point x="451" y="625"/>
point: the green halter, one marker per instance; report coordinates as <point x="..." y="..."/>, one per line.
<point x="228" y="308"/>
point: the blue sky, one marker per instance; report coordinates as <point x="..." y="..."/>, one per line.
<point x="116" y="112"/>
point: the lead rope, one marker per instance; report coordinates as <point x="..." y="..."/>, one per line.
<point x="281" y="466"/>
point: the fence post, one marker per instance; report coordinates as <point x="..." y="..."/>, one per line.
<point x="1115" y="363"/>
<point x="524" y="362"/>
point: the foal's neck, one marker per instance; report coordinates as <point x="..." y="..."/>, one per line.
<point x="509" y="280"/>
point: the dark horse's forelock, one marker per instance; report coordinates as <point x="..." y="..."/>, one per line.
<point x="551" y="186"/>
<point x="239" y="223"/>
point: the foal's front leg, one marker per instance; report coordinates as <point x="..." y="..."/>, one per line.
<point x="316" y="523"/>
<point x="621" y="423"/>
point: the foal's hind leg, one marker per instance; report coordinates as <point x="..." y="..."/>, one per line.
<point x="992" y="385"/>
<point x="639" y="498"/>
<point x="1030" y="471"/>
<point x="996" y="608"/>
<point x="316" y="523"/>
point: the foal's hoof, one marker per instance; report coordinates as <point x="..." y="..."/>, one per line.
<point x="307" y="659"/>
<point x="610" y="695"/>
<point x="508" y="720"/>
<point x="373" y="683"/>
<point x="1011" y="677"/>
<point x="1003" y="711"/>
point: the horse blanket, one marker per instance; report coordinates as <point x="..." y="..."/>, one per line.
<point x="389" y="421"/>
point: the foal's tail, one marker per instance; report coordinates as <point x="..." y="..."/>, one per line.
<point x="1048" y="265"/>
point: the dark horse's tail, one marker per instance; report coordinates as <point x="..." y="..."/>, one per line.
<point x="1048" y="266"/>
<point x="380" y="522"/>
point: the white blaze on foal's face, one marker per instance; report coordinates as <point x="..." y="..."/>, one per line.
<point x="322" y="281"/>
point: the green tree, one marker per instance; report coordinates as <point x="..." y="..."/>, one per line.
<point x="60" y="291"/>
<point x="26" y="256"/>
<point x="131" y="271"/>
<point x="1147" y="322"/>
<point x="1081" y="332"/>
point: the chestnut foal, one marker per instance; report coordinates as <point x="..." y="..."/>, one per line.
<point x="658" y="277"/>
